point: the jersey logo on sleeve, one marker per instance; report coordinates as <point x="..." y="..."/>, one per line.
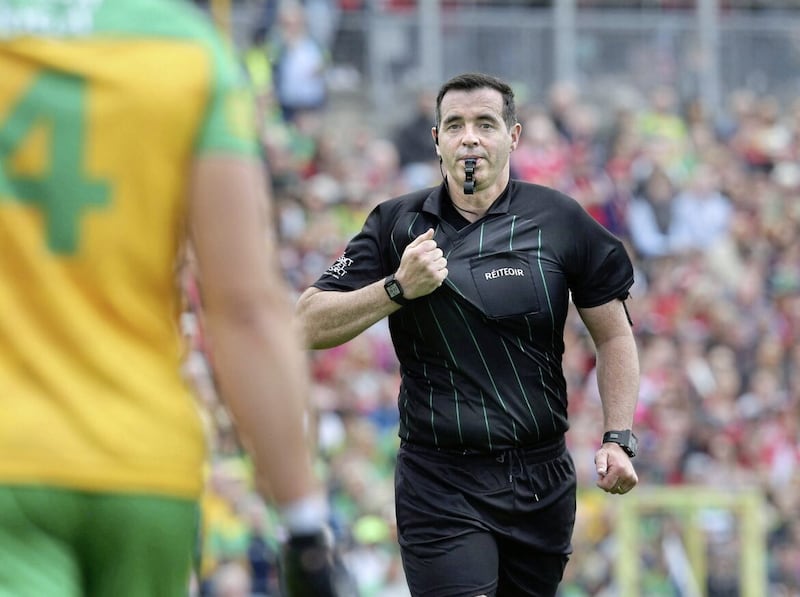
<point x="339" y="267"/>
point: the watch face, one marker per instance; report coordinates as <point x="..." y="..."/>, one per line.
<point x="393" y="289"/>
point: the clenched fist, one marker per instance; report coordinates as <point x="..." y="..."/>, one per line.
<point x="423" y="266"/>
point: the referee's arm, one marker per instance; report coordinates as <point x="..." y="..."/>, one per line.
<point x="617" y="362"/>
<point x="618" y="384"/>
<point x="329" y="318"/>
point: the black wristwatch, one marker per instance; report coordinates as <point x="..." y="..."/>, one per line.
<point x="394" y="290"/>
<point x="625" y="438"/>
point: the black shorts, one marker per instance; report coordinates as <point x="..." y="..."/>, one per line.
<point x="496" y="524"/>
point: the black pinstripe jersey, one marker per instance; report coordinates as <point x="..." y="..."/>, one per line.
<point x="481" y="356"/>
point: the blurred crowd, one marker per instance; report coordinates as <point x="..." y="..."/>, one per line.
<point x="709" y="206"/>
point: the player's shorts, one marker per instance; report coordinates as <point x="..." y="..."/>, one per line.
<point x="496" y="524"/>
<point x="61" y="543"/>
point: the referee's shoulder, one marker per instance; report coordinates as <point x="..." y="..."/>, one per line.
<point x="537" y="190"/>
<point x="542" y="194"/>
<point x="412" y="201"/>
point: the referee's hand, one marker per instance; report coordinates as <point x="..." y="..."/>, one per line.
<point x="615" y="472"/>
<point x="311" y="567"/>
<point x="423" y="266"/>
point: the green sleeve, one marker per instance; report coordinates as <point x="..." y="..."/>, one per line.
<point x="230" y="123"/>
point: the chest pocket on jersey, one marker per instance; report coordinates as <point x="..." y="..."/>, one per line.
<point x="505" y="284"/>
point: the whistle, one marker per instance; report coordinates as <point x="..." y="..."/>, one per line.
<point x="469" y="176"/>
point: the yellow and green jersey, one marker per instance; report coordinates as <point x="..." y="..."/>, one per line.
<point x="103" y="106"/>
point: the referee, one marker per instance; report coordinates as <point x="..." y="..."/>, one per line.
<point x="476" y="277"/>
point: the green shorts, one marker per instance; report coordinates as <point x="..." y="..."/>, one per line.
<point x="63" y="543"/>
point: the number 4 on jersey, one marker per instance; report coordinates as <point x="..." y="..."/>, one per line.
<point x="53" y="106"/>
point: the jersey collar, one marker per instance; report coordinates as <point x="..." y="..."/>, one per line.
<point x="434" y="202"/>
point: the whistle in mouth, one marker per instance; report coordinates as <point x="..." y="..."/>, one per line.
<point x="469" y="176"/>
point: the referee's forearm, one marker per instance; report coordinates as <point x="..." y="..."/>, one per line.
<point x="618" y="381"/>
<point x="330" y="318"/>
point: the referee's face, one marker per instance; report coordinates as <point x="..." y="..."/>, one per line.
<point x="472" y="126"/>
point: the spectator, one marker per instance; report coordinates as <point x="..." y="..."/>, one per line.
<point x="413" y="136"/>
<point x="651" y="216"/>
<point x="300" y="66"/>
<point x="542" y="156"/>
<point x="701" y="213"/>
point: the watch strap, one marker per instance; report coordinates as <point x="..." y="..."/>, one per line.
<point x="625" y="438"/>
<point x="394" y="290"/>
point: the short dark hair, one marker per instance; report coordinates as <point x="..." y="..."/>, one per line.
<point x="473" y="81"/>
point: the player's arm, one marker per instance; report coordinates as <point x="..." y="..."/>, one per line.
<point x="259" y="363"/>
<point x="618" y="384"/>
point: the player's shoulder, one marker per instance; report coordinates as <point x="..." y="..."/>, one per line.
<point x="175" y="19"/>
<point x="116" y="18"/>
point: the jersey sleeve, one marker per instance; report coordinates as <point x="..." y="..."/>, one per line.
<point x="602" y="269"/>
<point x="361" y="262"/>
<point x="230" y="123"/>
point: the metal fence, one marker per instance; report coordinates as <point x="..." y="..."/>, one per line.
<point x="384" y="56"/>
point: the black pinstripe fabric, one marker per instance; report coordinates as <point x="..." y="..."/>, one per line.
<point x="481" y="356"/>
